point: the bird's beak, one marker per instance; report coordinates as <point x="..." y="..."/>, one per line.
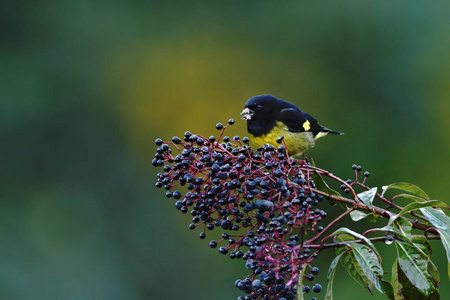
<point x="247" y="114"/>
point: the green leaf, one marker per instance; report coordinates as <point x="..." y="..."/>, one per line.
<point x="404" y="226"/>
<point x="412" y="197"/>
<point x="300" y="282"/>
<point x="330" y="276"/>
<point x="417" y="205"/>
<point x="368" y="196"/>
<point x="344" y="230"/>
<point x="420" y="245"/>
<point x="400" y="235"/>
<point x="321" y="185"/>
<point x="409" y="290"/>
<point x="388" y="289"/>
<point x="435" y="277"/>
<point x="437" y="217"/>
<point x="407" y="187"/>
<point x="423" y="244"/>
<point x="363" y="263"/>
<point x="369" y="262"/>
<point x="396" y="285"/>
<point x="415" y="267"/>
<point x="442" y="224"/>
<point x="349" y="262"/>
<point x="358" y="215"/>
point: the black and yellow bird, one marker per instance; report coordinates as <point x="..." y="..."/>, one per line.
<point x="269" y="118"/>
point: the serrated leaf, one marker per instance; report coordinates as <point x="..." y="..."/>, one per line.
<point x="368" y="196"/>
<point x="330" y="276"/>
<point x="369" y="262"/>
<point x="442" y="223"/>
<point x="407" y="187"/>
<point x="321" y="185"/>
<point x="415" y="206"/>
<point x="415" y="267"/>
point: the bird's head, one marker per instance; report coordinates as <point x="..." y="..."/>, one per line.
<point x="260" y="107"/>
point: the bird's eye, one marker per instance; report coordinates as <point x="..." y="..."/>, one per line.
<point x="259" y="107"/>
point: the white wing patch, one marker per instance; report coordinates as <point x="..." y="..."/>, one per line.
<point x="321" y="134"/>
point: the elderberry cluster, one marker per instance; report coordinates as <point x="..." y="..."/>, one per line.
<point x="261" y="200"/>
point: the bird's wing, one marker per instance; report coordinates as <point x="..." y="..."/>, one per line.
<point x="298" y="121"/>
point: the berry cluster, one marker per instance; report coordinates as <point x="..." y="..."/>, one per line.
<point x="262" y="201"/>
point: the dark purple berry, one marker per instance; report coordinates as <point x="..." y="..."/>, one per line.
<point x="279" y="139"/>
<point x="317" y="288"/>
<point x="223" y="250"/>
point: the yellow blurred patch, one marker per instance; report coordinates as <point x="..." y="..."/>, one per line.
<point x="193" y="82"/>
<point x="307" y="125"/>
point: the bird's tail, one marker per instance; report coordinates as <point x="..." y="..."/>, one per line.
<point x="324" y="129"/>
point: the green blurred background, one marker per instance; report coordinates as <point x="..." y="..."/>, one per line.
<point x="86" y="87"/>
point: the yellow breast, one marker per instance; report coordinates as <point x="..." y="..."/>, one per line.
<point x="296" y="142"/>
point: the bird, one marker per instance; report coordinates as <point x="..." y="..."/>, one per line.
<point x="270" y="118"/>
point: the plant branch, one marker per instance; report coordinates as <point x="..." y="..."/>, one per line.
<point x="377" y="210"/>
<point x="317" y="236"/>
<point x="375" y="239"/>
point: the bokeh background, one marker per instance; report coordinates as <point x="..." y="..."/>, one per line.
<point x="86" y="86"/>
